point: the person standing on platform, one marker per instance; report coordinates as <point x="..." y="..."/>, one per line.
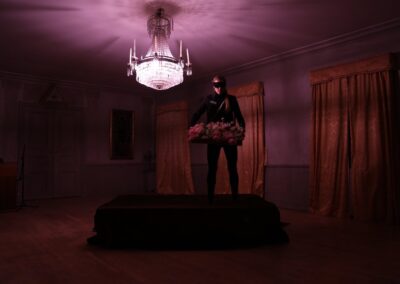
<point x="220" y="107"/>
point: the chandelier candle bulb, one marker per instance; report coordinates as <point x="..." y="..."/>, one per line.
<point x="159" y="69"/>
<point x="187" y="55"/>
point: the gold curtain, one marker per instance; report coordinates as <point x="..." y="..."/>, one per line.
<point x="353" y="158"/>
<point x="173" y="165"/>
<point x="251" y="155"/>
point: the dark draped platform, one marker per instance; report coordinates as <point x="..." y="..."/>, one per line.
<point x="187" y="221"/>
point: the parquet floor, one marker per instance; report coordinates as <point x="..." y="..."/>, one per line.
<point x="47" y="244"/>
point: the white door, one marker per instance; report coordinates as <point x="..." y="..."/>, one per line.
<point x="52" y="157"/>
<point x="66" y="138"/>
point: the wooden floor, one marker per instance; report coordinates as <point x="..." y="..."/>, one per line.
<point x="47" y="244"/>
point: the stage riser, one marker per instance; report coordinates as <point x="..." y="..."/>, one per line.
<point x="174" y="221"/>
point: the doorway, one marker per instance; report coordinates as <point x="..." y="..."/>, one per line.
<point x="50" y="137"/>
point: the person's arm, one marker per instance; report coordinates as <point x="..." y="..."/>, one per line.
<point x="199" y="112"/>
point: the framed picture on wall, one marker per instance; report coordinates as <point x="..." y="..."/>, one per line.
<point x="122" y="126"/>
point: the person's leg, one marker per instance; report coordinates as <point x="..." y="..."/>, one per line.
<point x="231" y="158"/>
<point x="212" y="158"/>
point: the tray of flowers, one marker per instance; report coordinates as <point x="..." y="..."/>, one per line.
<point x="221" y="133"/>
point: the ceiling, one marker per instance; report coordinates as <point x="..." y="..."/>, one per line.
<point x="89" y="40"/>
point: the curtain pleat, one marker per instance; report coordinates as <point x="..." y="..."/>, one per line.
<point x="251" y="155"/>
<point x="329" y="165"/>
<point x="372" y="172"/>
<point x="354" y="163"/>
<point x="173" y="165"/>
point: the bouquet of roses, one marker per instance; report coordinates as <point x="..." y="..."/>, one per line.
<point x="216" y="132"/>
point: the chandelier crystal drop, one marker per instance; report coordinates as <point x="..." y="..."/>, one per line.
<point x="159" y="69"/>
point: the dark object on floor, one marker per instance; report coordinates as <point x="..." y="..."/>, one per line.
<point x="187" y="221"/>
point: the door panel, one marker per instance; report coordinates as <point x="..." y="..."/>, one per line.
<point x="66" y="155"/>
<point x="36" y="140"/>
<point x="52" y="157"/>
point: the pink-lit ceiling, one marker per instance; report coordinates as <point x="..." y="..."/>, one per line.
<point x="89" y="40"/>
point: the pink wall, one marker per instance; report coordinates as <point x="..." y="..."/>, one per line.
<point x="96" y="172"/>
<point x="287" y="119"/>
<point x="288" y="109"/>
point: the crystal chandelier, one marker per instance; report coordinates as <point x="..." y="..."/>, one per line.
<point x="159" y="69"/>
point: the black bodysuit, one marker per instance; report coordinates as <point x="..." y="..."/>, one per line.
<point x="215" y="107"/>
<point x="212" y="104"/>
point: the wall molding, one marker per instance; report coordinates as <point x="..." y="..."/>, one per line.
<point x="36" y="79"/>
<point x="343" y="38"/>
<point x="114" y="164"/>
<point x="276" y="166"/>
<point x="287" y="166"/>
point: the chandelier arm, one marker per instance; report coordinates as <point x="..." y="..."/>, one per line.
<point x="159" y="69"/>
